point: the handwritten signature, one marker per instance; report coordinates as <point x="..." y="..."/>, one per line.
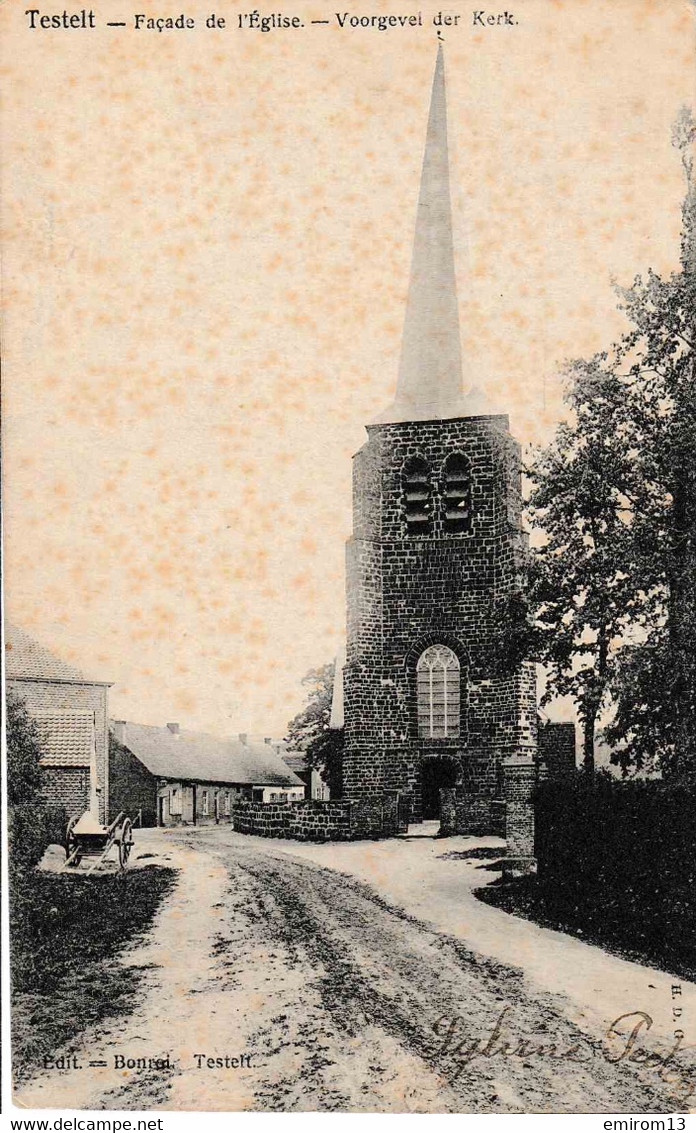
<point x="622" y="1043"/>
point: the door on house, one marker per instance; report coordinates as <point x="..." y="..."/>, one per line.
<point x="161" y="810"/>
<point x="187" y="805"/>
<point x="437" y="772"/>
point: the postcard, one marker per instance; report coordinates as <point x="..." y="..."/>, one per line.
<point x="350" y="556"/>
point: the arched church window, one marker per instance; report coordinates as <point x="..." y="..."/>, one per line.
<point x="437" y="674"/>
<point x="417" y="495"/>
<point x="457" y="494"/>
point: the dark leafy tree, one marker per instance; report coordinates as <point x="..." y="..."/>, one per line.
<point x="642" y="728"/>
<point x="310" y="732"/>
<point x="655" y="689"/>
<point x="615" y="494"/>
<point x="24" y="775"/>
<point x="325" y="753"/>
<point x="584" y="493"/>
<point x="515" y="636"/>
<point x="31" y="824"/>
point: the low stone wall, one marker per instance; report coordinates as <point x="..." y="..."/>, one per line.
<point x="269" y="820"/>
<point x="315" y="820"/>
<point x="374" y="817"/>
<point x="462" y="813"/>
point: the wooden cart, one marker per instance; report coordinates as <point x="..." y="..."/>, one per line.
<point x="90" y="846"/>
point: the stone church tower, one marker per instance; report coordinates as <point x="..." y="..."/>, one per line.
<point x="432" y="700"/>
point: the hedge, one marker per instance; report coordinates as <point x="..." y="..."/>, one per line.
<point x="619" y="858"/>
<point x="33" y="827"/>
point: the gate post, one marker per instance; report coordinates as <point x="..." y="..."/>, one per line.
<point x="519" y="781"/>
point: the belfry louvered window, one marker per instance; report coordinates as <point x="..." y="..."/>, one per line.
<point x="437" y="674"/>
<point x="417" y="496"/>
<point x="457" y="494"/>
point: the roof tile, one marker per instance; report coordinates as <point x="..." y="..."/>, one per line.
<point x="25" y="657"/>
<point x="66" y="735"/>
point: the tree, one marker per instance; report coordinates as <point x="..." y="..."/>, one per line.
<point x="325" y="754"/>
<point x="655" y="686"/>
<point x="32" y="825"/>
<point x="24" y="774"/>
<point x="615" y="493"/>
<point x="583" y="585"/>
<point x="310" y="730"/>
<point x="655" y="690"/>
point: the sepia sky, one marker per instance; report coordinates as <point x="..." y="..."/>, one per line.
<point x="206" y="244"/>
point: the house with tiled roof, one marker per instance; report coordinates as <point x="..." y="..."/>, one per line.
<point x="71" y="714"/>
<point x="297" y="761"/>
<point x="169" y="776"/>
<point x="315" y="787"/>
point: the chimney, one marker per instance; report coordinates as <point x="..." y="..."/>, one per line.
<point x="119" y="730"/>
<point x="243" y="737"/>
<point x="174" y="729"/>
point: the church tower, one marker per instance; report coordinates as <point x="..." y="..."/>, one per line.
<point x="433" y="697"/>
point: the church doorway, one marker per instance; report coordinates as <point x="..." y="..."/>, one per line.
<point x="437" y="772"/>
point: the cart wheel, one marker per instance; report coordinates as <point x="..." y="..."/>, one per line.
<point x="70" y="839"/>
<point x="125" y="843"/>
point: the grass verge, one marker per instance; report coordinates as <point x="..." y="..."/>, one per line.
<point x="65" y="933"/>
<point x="635" y="935"/>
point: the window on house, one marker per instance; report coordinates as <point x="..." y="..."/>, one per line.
<point x="457" y="494"/>
<point x="417" y="496"/>
<point x="438" y="676"/>
<point x="205" y="802"/>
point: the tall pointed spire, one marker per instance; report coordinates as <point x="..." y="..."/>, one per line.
<point x="430" y="369"/>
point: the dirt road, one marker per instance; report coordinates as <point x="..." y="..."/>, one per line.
<point x="321" y="996"/>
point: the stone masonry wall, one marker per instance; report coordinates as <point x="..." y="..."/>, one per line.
<point x="268" y="820"/>
<point x="314" y="820"/>
<point x="406" y="591"/>
<point x="40" y="695"/>
<point x="133" y="789"/>
<point x="455" y="816"/>
<point x="67" y="787"/>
